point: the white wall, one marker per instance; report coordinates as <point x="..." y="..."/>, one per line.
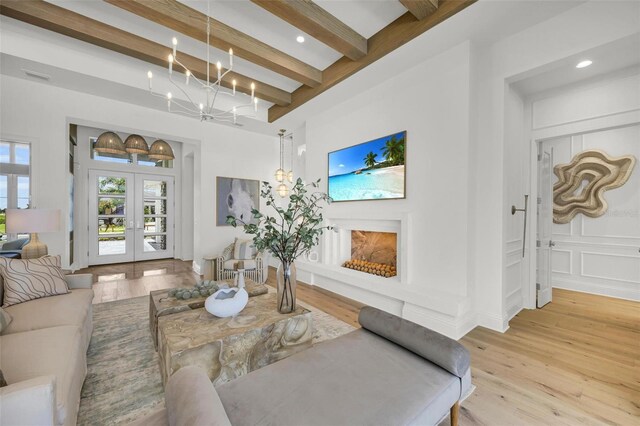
<point x="40" y="113"/>
<point x="468" y="134"/>
<point x="565" y="36"/>
<point x="430" y="102"/>
<point x="597" y="255"/>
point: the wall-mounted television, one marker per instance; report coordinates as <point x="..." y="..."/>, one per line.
<point x="373" y="170"/>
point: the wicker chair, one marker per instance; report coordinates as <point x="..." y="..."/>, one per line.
<point x="256" y="269"/>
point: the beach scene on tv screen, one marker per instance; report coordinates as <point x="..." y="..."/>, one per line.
<point x="369" y="171"/>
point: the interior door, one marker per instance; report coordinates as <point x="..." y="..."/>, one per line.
<point x="154" y="221"/>
<point x="545" y="222"/>
<point x="111" y="216"/>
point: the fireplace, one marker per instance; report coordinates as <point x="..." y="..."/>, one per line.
<point x="374" y="253"/>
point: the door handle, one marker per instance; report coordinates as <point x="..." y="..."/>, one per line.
<point x="130" y="227"/>
<point x="138" y="225"/>
<point x="552" y="244"/>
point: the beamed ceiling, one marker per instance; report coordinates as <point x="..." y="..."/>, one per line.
<point x="342" y="37"/>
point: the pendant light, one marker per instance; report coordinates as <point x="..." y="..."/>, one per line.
<point x="282" y="189"/>
<point x="290" y="174"/>
<point x="109" y="143"/>
<point x="135" y="144"/>
<point x="161" y="151"/>
<point x="280" y="173"/>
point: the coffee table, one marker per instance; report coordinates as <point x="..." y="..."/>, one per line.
<point x="161" y="304"/>
<point x="231" y="347"/>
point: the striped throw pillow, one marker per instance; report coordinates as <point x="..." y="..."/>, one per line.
<point x="29" y="279"/>
<point x="243" y="250"/>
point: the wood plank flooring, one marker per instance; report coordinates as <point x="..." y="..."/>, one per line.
<point x="574" y="362"/>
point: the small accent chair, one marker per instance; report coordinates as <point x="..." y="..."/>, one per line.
<point x="13" y="249"/>
<point x="256" y="264"/>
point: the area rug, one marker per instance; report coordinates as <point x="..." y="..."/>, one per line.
<point x="123" y="379"/>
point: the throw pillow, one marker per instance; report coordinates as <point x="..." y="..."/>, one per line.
<point x="5" y="320"/>
<point x="29" y="279"/>
<point x="3" y="382"/>
<point x="243" y="250"/>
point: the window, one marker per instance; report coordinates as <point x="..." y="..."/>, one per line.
<point x="15" y="181"/>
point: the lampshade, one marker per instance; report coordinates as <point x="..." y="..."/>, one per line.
<point x="290" y="176"/>
<point x="160" y="150"/>
<point x="282" y="190"/>
<point x="110" y="143"/>
<point x="280" y="175"/>
<point x="135" y="144"/>
<point x="32" y="220"/>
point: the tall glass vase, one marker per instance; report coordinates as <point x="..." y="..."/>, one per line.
<point x="286" y="287"/>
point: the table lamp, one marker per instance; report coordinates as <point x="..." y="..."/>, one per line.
<point x="33" y="221"/>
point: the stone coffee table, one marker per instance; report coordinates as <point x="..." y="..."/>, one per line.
<point x="161" y="304"/>
<point x="228" y="348"/>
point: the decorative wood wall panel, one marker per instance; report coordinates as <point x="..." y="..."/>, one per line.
<point x="600" y="172"/>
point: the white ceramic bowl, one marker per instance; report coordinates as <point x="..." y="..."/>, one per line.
<point x="226" y="302"/>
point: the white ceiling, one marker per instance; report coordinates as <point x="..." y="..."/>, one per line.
<point x="608" y="58"/>
<point x="484" y="22"/>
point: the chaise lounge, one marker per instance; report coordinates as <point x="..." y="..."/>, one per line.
<point x="391" y="371"/>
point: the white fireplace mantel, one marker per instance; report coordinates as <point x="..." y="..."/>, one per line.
<point x="336" y="244"/>
<point x="435" y="308"/>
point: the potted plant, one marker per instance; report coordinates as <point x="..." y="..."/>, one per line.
<point x="288" y="234"/>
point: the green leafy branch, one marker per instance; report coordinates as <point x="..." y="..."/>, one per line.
<point x="290" y="232"/>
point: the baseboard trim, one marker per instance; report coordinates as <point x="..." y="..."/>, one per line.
<point x="599" y="289"/>
<point x="493" y="322"/>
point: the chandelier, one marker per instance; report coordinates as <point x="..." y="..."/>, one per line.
<point x="205" y="107"/>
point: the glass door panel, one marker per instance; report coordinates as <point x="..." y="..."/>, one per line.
<point x="111" y="201"/>
<point x="154" y="230"/>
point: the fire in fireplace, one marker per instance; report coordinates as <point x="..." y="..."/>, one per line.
<point x="373" y="253"/>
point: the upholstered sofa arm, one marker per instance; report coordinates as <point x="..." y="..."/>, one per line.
<point x="79" y="281"/>
<point x="30" y="402"/>
<point x="205" y="409"/>
<point x="434" y="347"/>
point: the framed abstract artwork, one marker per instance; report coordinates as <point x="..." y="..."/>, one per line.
<point x="236" y="197"/>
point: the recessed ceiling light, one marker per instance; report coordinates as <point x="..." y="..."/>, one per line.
<point x="300" y="39"/>
<point x="584" y="64"/>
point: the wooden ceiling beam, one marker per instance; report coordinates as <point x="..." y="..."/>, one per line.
<point x="51" y="17"/>
<point x="319" y="24"/>
<point x="190" y="22"/>
<point x="420" y="8"/>
<point x="394" y="35"/>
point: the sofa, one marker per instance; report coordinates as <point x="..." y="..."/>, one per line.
<point x="43" y="356"/>
<point x="389" y="372"/>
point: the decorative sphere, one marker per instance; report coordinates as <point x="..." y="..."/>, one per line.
<point x="172" y="292"/>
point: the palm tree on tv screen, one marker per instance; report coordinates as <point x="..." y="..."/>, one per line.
<point x="393" y="151"/>
<point x="370" y="159"/>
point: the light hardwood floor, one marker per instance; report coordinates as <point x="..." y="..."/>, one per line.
<point x="574" y="362"/>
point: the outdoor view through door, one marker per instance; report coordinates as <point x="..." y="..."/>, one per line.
<point x="133" y="217"/>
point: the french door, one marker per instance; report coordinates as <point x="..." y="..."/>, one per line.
<point x="131" y="217"/>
